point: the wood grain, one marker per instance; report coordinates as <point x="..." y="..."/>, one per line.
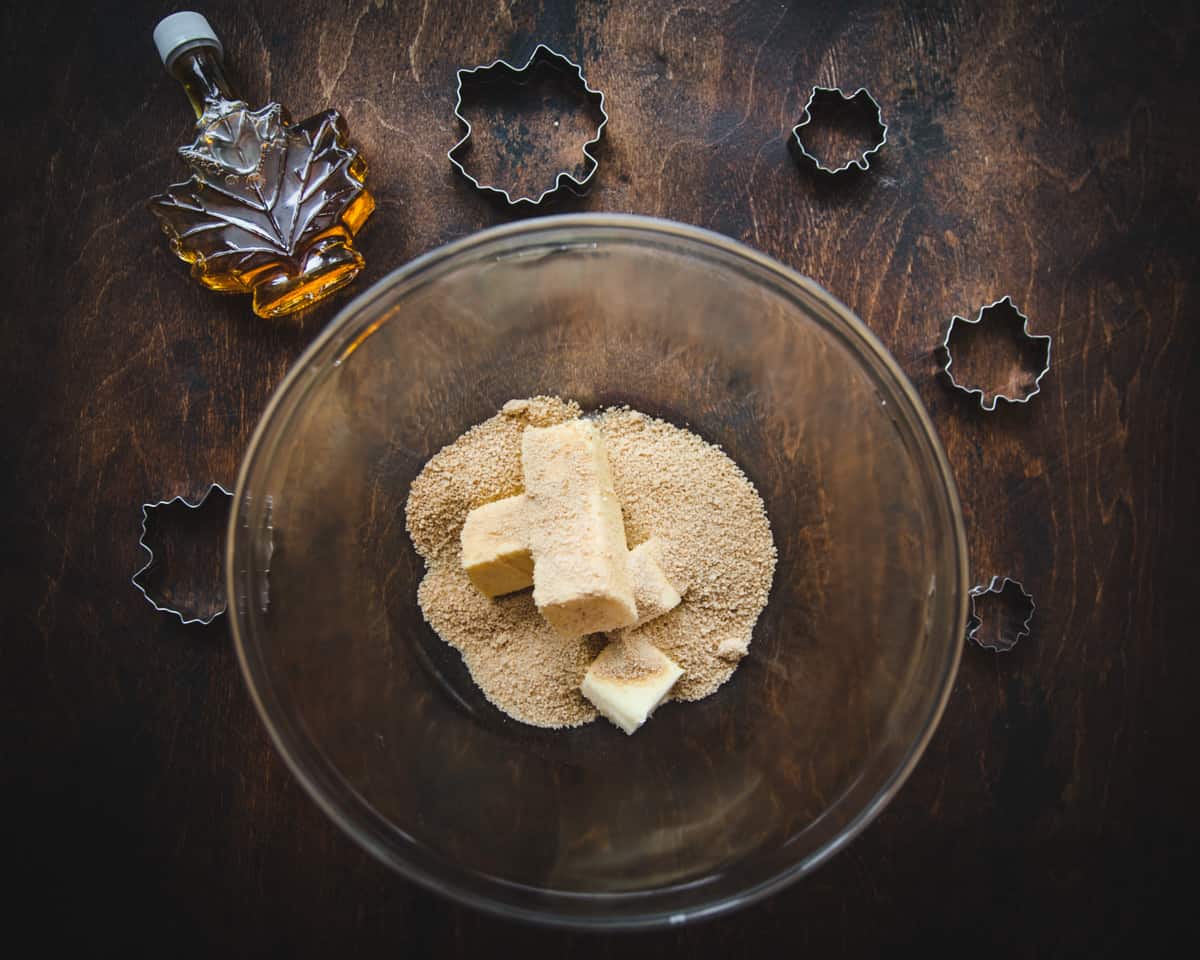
<point x="1040" y="151"/>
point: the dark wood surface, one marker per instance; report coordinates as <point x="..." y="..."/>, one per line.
<point x="1045" y="152"/>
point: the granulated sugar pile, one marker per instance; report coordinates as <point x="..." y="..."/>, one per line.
<point x="715" y="537"/>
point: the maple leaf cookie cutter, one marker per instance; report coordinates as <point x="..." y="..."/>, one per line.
<point x="1004" y="304"/>
<point x="504" y="72"/>
<point x="826" y="95"/>
<point x="137" y="580"/>
<point x="998" y="586"/>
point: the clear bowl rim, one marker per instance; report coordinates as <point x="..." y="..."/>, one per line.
<point x="497" y="905"/>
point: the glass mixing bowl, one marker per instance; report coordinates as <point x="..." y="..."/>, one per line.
<point x="712" y="804"/>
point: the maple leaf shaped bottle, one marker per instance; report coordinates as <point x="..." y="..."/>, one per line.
<point x="272" y="207"/>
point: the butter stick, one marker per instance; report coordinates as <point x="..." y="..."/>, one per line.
<point x="629" y="679"/>
<point x="581" y="578"/>
<point x="495" y="547"/>
<point x="653" y="593"/>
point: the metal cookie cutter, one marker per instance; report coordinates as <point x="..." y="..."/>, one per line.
<point x="147" y="509"/>
<point x="506" y="72"/>
<point x="999" y="586"/>
<point x="827" y="95"/>
<point x="1005" y="304"/>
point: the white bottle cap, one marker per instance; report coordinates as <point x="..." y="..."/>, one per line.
<point x="181" y="32"/>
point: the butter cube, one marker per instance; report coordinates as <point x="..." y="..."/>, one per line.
<point x="629" y="679"/>
<point x="653" y="593"/>
<point x="495" y="547"/>
<point x="581" y="581"/>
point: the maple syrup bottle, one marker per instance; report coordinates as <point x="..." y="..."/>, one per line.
<point x="272" y="207"/>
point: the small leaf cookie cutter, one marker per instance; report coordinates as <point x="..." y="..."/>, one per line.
<point x="136" y="580"/>
<point x="1004" y="303"/>
<point x="863" y="161"/>
<point x="998" y="586"/>
<point x="506" y="72"/>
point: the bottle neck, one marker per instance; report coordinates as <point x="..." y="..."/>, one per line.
<point x="203" y="79"/>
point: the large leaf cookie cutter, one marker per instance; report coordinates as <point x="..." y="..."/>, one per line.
<point x="999" y="308"/>
<point x="824" y="98"/>
<point x="503" y="72"/>
<point x="148" y="509"/>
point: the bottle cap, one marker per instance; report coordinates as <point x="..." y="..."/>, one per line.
<point x="181" y="32"/>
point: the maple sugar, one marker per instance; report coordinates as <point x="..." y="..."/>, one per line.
<point x="710" y="520"/>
